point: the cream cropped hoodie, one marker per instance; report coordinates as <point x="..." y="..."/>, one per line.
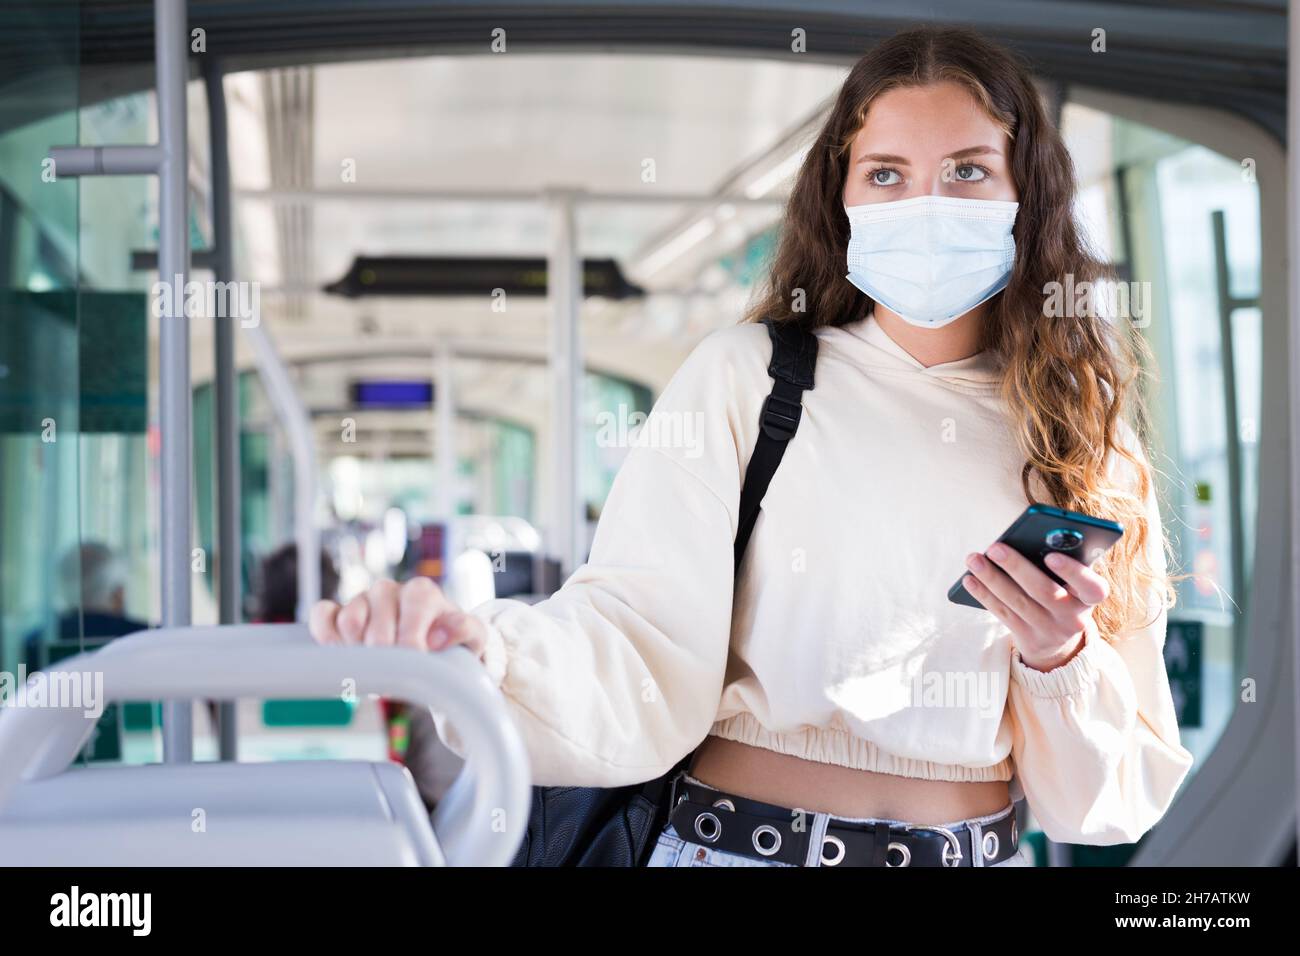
<point x="838" y="644"/>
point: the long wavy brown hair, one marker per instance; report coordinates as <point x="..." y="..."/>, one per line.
<point x="1070" y="385"/>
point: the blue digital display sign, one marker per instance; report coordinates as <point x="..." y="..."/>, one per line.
<point x="392" y="394"/>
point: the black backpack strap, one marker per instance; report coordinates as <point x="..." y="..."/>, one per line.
<point x="794" y="356"/>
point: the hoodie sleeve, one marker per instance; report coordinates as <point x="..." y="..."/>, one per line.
<point x="618" y="675"/>
<point x="1095" y="741"/>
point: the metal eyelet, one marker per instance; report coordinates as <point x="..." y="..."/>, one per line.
<point x="901" y="848"/>
<point x="716" y="829"/>
<point x="725" y="804"/>
<point x="765" y="828"/>
<point x="991" y="844"/>
<point x="839" y="848"/>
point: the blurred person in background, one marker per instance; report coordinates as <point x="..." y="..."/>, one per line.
<point x="93" y="582"/>
<point x="276" y="600"/>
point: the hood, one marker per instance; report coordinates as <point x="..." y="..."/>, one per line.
<point x="981" y="370"/>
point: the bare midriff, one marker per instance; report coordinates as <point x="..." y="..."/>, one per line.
<point x="793" y="782"/>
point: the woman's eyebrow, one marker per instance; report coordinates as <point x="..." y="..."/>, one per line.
<point x="884" y="158"/>
<point x="904" y="161"/>
<point x="974" y="151"/>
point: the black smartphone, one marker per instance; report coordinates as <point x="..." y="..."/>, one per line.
<point x="1042" y="529"/>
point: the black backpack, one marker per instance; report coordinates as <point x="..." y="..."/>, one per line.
<point x="595" y="826"/>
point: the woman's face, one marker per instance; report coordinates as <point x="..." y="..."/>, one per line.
<point x="931" y="140"/>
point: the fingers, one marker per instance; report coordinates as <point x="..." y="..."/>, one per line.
<point x="980" y="592"/>
<point x="456" y="627"/>
<point x="419" y="603"/>
<point x="381" y="628"/>
<point x="1032" y="580"/>
<point x="1008" y="594"/>
<point x="1084" y="583"/>
<point x="412" y="615"/>
<point x="321" y="623"/>
<point x="352" y="619"/>
<point x="417" y="615"/>
<point x="1037" y="609"/>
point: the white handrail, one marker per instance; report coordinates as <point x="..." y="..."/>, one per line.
<point x="481" y="821"/>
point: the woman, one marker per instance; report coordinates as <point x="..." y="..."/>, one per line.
<point x="835" y="686"/>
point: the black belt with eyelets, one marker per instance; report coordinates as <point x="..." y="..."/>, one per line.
<point x="765" y="831"/>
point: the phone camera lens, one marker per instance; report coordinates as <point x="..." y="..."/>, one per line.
<point x="1064" y="539"/>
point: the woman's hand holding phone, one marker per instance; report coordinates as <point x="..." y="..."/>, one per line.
<point x="1048" y="621"/>
<point x="416" y="614"/>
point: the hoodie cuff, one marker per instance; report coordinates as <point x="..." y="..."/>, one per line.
<point x="1072" y="677"/>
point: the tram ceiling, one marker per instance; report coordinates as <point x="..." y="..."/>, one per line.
<point x="1225" y="53"/>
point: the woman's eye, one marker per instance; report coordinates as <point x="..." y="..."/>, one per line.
<point x="971" y="174"/>
<point x="885" y="177"/>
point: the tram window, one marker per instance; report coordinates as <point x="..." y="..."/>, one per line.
<point x="613" y="409"/>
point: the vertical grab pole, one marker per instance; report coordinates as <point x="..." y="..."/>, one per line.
<point x="1293" y="340"/>
<point x="171" y="60"/>
<point x="1228" y="303"/>
<point x="444" y="452"/>
<point x="564" y="290"/>
<point x="226" y="397"/>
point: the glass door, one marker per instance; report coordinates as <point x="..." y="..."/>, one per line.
<point x="44" y="571"/>
<point x="75" y="459"/>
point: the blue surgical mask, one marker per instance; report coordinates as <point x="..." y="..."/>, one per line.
<point x="931" y="259"/>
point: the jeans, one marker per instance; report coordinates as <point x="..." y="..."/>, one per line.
<point x="672" y="850"/>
